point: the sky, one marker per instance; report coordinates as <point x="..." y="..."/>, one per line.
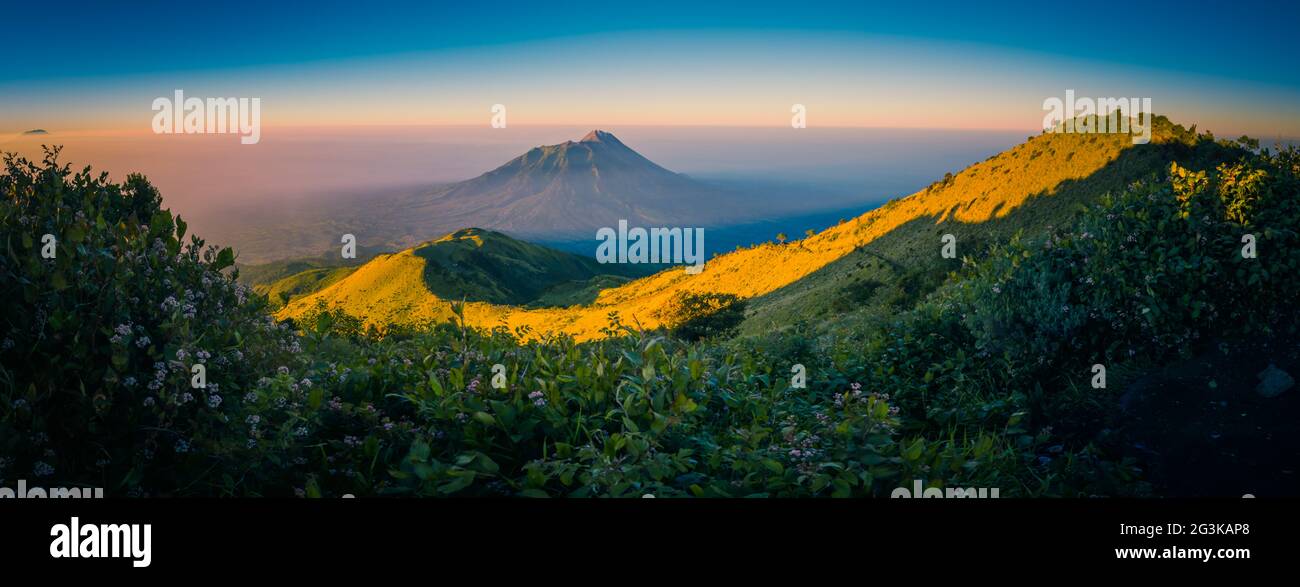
<point x="93" y="67"/>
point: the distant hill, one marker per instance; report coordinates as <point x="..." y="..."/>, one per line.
<point x="309" y="280"/>
<point x="472" y="264"/>
<point x="281" y="281"/>
<point x="37" y="131"/>
<point x="888" y="253"/>
<point x="267" y="273"/>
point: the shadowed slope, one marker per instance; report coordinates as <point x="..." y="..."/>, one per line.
<point x="471" y="264"/>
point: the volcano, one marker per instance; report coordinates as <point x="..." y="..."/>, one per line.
<point x="573" y="189"/>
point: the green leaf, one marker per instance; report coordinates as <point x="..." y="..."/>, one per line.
<point x="461" y="480"/>
<point x="225" y="258"/>
<point x="914" y="452"/>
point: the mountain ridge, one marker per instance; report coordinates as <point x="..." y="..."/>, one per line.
<point x="1058" y="171"/>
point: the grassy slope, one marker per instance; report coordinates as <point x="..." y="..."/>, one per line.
<point x="255" y="274"/>
<point x="280" y="291"/>
<point x="283" y="280"/>
<point x="473" y="264"/>
<point x="896" y="245"/>
<point x="268" y="273"/>
<point x="1031" y="187"/>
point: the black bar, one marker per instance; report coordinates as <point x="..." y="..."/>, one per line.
<point x="314" y="536"/>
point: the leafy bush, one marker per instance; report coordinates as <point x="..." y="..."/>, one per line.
<point x="100" y="348"/>
<point x="1151" y="273"/>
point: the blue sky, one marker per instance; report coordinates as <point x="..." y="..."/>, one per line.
<point x="83" y="65"/>
<point x="1240" y="39"/>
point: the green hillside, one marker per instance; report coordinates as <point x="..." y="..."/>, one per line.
<point x="267" y="273"/>
<point x="483" y="265"/>
<point x="306" y="281"/>
<point x="281" y="281"/>
<point x="472" y="264"/>
<point x="1032" y="188"/>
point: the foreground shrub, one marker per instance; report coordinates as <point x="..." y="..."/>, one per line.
<point x="1146" y="276"/>
<point x="102" y="346"/>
